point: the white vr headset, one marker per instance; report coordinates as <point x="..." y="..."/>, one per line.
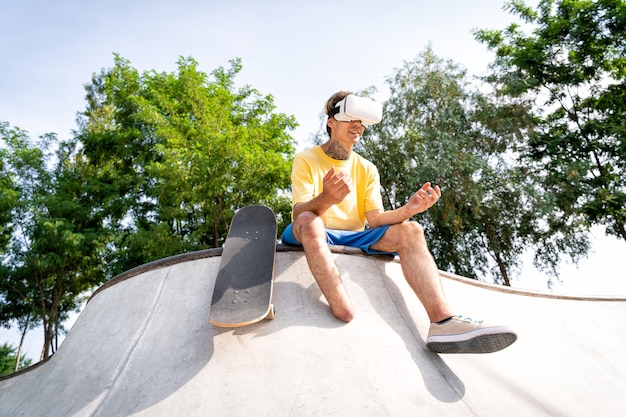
<point x="353" y="107"/>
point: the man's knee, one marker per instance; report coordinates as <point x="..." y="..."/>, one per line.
<point x="409" y="228"/>
<point x="308" y="225"/>
<point x="409" y="232"/>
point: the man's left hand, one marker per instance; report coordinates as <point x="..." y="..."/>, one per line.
<point x="424" y="198"/>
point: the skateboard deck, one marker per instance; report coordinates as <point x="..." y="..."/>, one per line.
<point x="244" y="282"/>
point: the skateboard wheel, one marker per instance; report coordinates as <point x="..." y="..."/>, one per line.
<point x="271" y="314"/>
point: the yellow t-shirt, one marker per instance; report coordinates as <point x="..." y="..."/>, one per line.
<point x="309" y="169"/>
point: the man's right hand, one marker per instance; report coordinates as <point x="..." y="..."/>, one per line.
<point x="337" y="185"/>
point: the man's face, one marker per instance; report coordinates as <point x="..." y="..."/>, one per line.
<point x="348" y="133"/>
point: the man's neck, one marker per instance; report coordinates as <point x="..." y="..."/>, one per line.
<point x="333" y="149"/>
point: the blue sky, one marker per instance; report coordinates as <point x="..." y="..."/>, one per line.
<point x="298" y="51"/>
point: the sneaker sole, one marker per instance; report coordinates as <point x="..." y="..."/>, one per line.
<point x="484" y="343"/>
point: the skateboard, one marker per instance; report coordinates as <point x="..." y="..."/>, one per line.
<point x="244" y="282"/>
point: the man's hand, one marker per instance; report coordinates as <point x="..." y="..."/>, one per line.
<point x="337" y="185"/>
<point x="424" y="198"/>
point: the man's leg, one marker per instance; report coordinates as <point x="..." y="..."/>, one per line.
<point x="458" y="334"/>
<point x="418" y="266"/>
<point x="309" y="230"/>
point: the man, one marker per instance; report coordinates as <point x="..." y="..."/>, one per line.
<point x="336" y="192"/>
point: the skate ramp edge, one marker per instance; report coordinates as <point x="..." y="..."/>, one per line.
<point x="143" y="346"/>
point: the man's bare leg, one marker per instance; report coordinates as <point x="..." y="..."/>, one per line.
<point x="418" y="266"/>
<point x="309" y="229"/>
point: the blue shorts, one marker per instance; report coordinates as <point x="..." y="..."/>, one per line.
<point x="362" y="240"/>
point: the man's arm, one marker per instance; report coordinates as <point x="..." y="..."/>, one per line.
<point x="419" y="202"/>
<point x="337" y="186"/>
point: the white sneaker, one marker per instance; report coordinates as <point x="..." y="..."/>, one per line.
<point x="464" y="335"/>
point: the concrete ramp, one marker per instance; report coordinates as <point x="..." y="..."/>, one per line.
<point x="143" y="346"/>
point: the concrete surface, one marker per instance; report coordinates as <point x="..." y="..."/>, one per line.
<point x="143" y="347"/>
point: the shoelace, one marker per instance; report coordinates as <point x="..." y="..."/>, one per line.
<point x="468" y="319"/>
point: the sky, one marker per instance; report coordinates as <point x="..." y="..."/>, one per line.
<point x="300" y="52"/>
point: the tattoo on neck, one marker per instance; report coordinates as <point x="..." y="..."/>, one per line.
<point x="335" y="151"/>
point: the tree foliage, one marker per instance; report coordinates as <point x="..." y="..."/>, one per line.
<point x="9" y="195"/>
<point x="570" y="57"/>
<point x="436" y="128"/>
<point x="176" y="154"/>
<point x="55" y="252"/>
<point x="428" y="134"/>
<point x="9" y="358"/>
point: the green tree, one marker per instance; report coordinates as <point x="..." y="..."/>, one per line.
<point x="429" y="134"/>
<point x="176" y="154"/>
<point x="9" y="360"/>
<point x="570" y="57"/>
<point x="515" y="199"/>
<point x="437" y="128"/>
<point x="56" y="251"/>
<point x="9" y="194"/>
